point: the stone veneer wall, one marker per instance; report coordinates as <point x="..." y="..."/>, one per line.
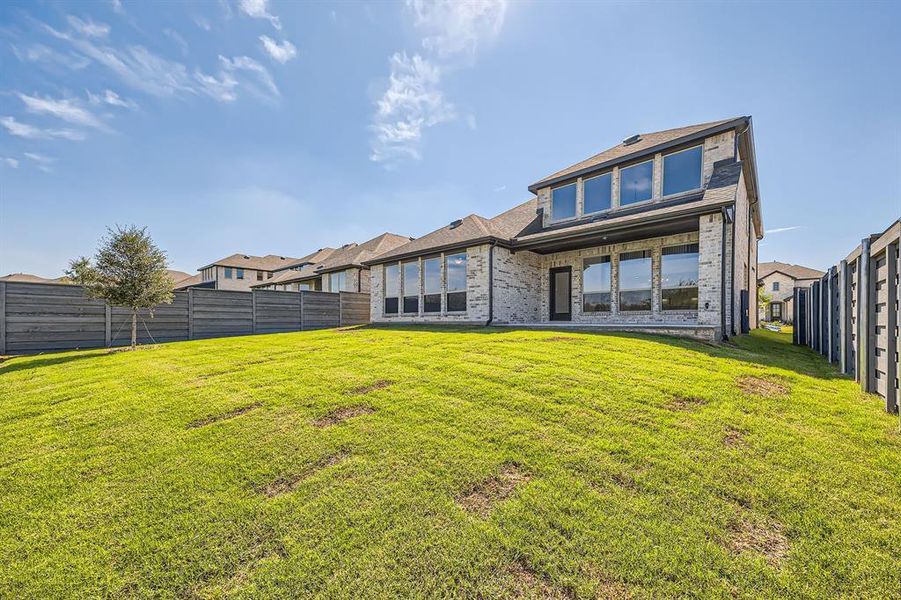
<point x="716" y="147"/>
<point x="476" y="293"/>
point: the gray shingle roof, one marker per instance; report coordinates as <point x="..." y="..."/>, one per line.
<point x="270" y="262"/>
<point x="471" y="228"/>
<point x="622" y="151"/>
<point x="765" y="269"/>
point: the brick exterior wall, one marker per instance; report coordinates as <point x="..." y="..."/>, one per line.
<point x="710" y="257"/>
<point x="517" y="286"/>
<point x="241" y="285"/>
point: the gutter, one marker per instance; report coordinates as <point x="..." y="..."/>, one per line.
<point x="490" y="283"/>
<point x="490" y="239"/>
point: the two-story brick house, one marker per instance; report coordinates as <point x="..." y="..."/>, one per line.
<point x="658" y="233"/>
<point x="241" y="271"/>
<point x="779" y="281"/>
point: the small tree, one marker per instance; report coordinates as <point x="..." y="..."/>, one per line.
<point x="762" y="299"/>
<point x="128" y="270"/>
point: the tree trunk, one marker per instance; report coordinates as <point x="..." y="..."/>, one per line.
<point x="134" y="328"/>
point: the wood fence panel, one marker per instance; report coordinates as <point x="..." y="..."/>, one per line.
<point x="321" y="310"/>
<point x="277" y="311"/>
<point x="168" y="323"/>
<point x="354" y="308"/>
<point x="222" y="313"/>
<point x="52" y="317"/>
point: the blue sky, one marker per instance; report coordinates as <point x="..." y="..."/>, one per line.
<point x="279" y="128"/>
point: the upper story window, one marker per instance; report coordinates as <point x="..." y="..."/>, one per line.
<point x="259" y="276"/>
<point x="682" y="171"/>
<point x="411" y="287"/>
<point x="635" y="183"/>
<point x="337" y="281"/>
<point x="775" y="286"/>
<point x="596" y="284"/>
<point x="456" y="282"/>
<point x="392" y="288"/>
<point x="228" y="272"/>
<point x="240" y="273"/>
<point x="635" y="280"/>
<point x="679" y="277"/>
<point x="431" y="285"/>
<point x="268" y="275"/>
<point x="563" y="202"/>
<point x="598" y="193"/>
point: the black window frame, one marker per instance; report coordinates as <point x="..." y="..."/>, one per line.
<point x="456" y="297"/>
<point x="575" y="215"/>
<point x="663" y="193"/>
<point x="647" y="254"/>
<point x="694" y="248"/>
<point x="392" y="303"/>
<point x="410" y="304"/>
<point x="587" y="263"/>
<point x="431" y="301"/>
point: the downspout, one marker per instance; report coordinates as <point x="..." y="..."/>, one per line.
<point x="490" y="283"/>
<point x="732" y="275"/>
<point x="723" y="334"/>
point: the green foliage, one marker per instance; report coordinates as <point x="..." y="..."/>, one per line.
<point x="762" y="297"/>
<point x="144" y="474"/>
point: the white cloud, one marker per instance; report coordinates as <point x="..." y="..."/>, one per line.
<point x="88" y="27"/>
<point x="784" y="229"/>
<point x="39" y="53"/>
<point x="24" y="130"/>
<point x="221" y="89"/>
<point x="12" y="163"/>
<point x="178" y="39"/>
<point x="203" y="23"/>
<point x="111" y="98"/>
<point x="500" y="188"/>
<point x="457" y="26"/>
<point x="43" y="162"/>
<point x="117" y="7"/>
<point x="413" y="101"/>
<point x="65" y="109"/>
<point x="260" y="83"/>
<point x="279" y="52"/>
<point x="259" y="9"/>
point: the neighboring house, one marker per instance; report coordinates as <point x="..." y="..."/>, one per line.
<point x="343" y="270"/>
<point x="658" y="233"/>
<point x="286" y="279"/>
<point x="29" y="278"/>
<point x="177" y="277"/>
<point x="779" y="281"/>
<point x="240" y="271"/>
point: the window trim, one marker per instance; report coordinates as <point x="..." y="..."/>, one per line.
<point x="619" y="287"/>
<point x="599" y="261"/>
<point x="663" y="173"/>
<point x="612" y="206"/>
<point x="619" y="195"/>
<point x="422" y="279"/>
<point x="679" y="287"/>
<point x="385" y="295"/>
<point x="446" y="290"/>
<point x="403" y="284"/>
<point x="577" y="214"/>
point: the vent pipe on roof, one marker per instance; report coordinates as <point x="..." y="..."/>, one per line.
<point x="631" y="140"/>
<point x="455" y="224"/>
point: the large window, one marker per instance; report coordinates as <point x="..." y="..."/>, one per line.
<point x="228" y="272"/>
<point x="635" y="281"/>
<point x="775" y="311"/>
<point x="456" y="282"/>
<point x="679" y="277"/>
<point x="411" y="287"/>
<point x="240" y="273"/>
<point x="337" y="281"/>
<point x="635" y="183"/>
<point x="431" y="280"/>
<point x="597" y="193"/>
<point x="596" y="284"/>
<point x="682" y="171"/>
<point x="563" y="202"/>
<point x="392" y="288"/>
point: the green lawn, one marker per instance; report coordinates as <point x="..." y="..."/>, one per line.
<point x="468" y="463"/>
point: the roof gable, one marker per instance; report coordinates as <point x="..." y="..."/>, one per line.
<point x="765" y="269"/>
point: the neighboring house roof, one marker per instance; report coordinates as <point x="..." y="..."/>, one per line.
<point x="29" y="278"/>
<point x="270" y="262"/>
<point x="648" y="143"/>
<point x="189" y="281"/>
<point x="177" y="276"/>
<point x="467" y="231"/>
<point x="312" y="258"/>
<point x="765" y="269"/>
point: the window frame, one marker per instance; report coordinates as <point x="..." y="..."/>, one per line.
<point x="403" y="286"/>
<point x="619" y="195"/>
<point x="598" y="260"/>
<point x="663" y="173"/>
<point x="385" y="296"/>
<point x="680" y="287"/>
<point x="229" y="272"/>
<point x="775" y="287"/>
<point x="422" y="279"/>
<point x="446" y="284"/>
<point x="576" y="213"/>
<point x="619" y="286"/>
<point x="239" y="274"/>
<point x="259" y="276"/>
<point x="603" y="210"/>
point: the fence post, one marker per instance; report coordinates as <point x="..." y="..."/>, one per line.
<point x="340" y="309"/>
<point x="253" y="310"/>
<point x="830" y="316"/>
<point x="863" y="316"/>
<point x="891" y="346"/>
<point x="2" y="317"/>
<point x="302" y="294"/>
<point x="109" y="325"/>
<point x="190" y="313"/>
<point x="844" y="338"/>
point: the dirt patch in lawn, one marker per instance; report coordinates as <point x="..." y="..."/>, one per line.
<point x="480" y="499"/>
<point x="763" y="537"/>
<point x="340" y="415"/>
<point x="733" y="437"/>
<point x="758" y="386"/>
<point x="366" y="389"/>
<point x="559" y="338"/>
<point x="625" y="481"/>
<point x="683" y="403"/>
<point x="225" y="416"/>
<point x="288" y="483"/>
<point x="524" y="582"/>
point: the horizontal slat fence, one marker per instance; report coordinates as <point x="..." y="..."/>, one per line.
<point x="37" y="317"/>
<point x="851" y="315"/>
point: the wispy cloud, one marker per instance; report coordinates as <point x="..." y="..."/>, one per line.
<point x="413" y="100"/>
<point x="110" y="98"/>
<point x="117" y="7"/>
<point x="257" y="78"/>
<point x="500" y="188"/>
<point x="279" y="52"/>
<point x="259" y="9"/>
<point x="44" y="163"/>
<point x="12" y="163"/>
<point x="203" y="23"/>
<point x="178" y="39"/>
<point x="66" y="109"/>
<point x="39" y="53"/>
<point x="24" y="130"/>
<point x="87" y="27"/>
<point x="784" y="229"/>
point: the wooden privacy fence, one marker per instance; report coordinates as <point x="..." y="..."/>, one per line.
<point x="851" y="315"/>
<point x="37" y="316"/>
